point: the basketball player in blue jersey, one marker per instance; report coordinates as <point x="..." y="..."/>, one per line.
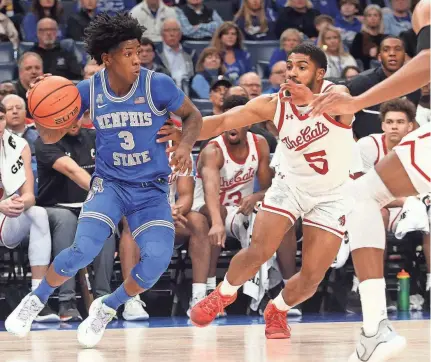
<point x="128" y="105"/>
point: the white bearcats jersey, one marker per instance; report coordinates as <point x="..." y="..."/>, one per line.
<point x="236" y="178"/>
<point x="373" y="149"/>
<point x="316" y="152"/>
<point x="173" y="178"/>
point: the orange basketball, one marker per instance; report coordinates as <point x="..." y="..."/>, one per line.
<point x="54" y="102"/>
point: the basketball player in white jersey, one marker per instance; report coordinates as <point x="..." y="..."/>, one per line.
<point x="317" y="155"/>
<point x="227" y="169"/>
<point x="19" y="218"/>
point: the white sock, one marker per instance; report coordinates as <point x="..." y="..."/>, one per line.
<point x="373" y="300"/>
<point x="228" y="289"/>
<point x="199" y="290"/>
<point x="280" y="303"/>
<point x="428" y="285"/>
<point x="211" y="283"/>
<point x="355" y="284"/>
<point x="35" y="283"/>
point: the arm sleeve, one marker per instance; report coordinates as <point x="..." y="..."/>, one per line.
<point x="47" y="154"/>
<point x="84" y="91"/>
<point x="165" y="94"/>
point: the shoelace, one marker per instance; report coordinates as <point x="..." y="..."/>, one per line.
<point x="29" y="308"/>
<point x="212" y="304"/>
<point x="100" y="321"/>
<point x="278" y="320"/>
<point x="137" y="301"/>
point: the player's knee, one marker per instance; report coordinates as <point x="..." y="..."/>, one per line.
<point x="198" y="224"/>
<point x="259" y="254"/>
<point x="311" y="277"/>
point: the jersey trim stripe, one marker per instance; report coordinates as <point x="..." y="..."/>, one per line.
<point x="378" y="150"/>
<point x="324" y="227"/>
<point x="153" y="223"/>
<point x="281" y="116"/>
<point x="278" y="211"/>
<point x="149" y="98"/>
<point x="412" y="145"/>
<point x="113" y="98"/>
<point x="256" y="144"/>
<point x="92" y="98"/>
<point x="98" y="216"/>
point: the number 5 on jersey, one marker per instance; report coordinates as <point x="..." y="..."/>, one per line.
<point x="317" y="161"/>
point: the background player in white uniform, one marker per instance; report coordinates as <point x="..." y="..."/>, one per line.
<point x="19" y="218"/>
<point x="317" y="155"/>
<point x="224" y="191"/>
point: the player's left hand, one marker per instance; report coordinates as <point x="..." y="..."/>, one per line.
<point x="181" y="160"/>
<point x="300" y="94"/>
<point x="334" y="103"/>
<point x="179" y="219"/>
<point x="170" y="133"/>
<point x="247" y="204"/>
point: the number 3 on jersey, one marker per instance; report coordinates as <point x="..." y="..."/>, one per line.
<point x="129" y="143"/>
<point x="317" y="161"/>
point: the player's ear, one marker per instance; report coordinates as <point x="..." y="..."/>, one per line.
<point x="105" y="58"/>
<point x="320" y="74"/>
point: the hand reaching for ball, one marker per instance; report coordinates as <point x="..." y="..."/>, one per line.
<point x="37" y="80"/>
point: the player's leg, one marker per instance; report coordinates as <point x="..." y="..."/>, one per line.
<point x="199" y="251"/>
<point x="129" y="256"/>
<point x="368" y="245"/>
<point x="97" y="222"/>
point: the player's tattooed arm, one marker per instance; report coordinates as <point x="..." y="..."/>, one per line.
<point x="192" y="122"/>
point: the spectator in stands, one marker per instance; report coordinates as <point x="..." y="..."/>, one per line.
<point x="423" y="112"/>
<point x="289" y="39"/>
<point x="19" y="217"/>
<point x="410" y="42"/>
<point x="56" y="60"/>
<point x="350" y="72"/>
<point x="16" y="122"/>
<point x="77" y="22"/>
<point x="42" y="9"/>
<point x="30" y="66"/>
<point x="198" y="22"/>
<point x="366" y="44"/>
<point x="91" y="68"/>
<point x="347" y="21"/>
<point x="219" y="87"/>
<point x="114" y="6"/>
<point x="147" y="55"/>
<point x="8" y="32"/>
<point x="6" y="87"/>
<point x="391" y="55"/>
<point x="172" y="55"/>
<point x="252" y="83"/>
<point x="14" y="10"/>
<point x="64" y="171"/>
<point x="228" y="40"/>
<point x="326" y="7"/>
<point x="322" y="21"/>
<point x="399" y="18"/>
<point x="152" y="14"/>
<point x="255" y="20"/>
<point x="297" y="14"/>
<point x="208" y="68"/>
<point x="330" y="41"/>
<point x="277" y="77"/>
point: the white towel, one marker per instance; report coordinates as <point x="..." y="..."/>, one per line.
<point x="414" y="217"/>
<point x="11" y="163"/>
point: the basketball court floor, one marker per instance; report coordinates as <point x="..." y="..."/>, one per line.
<point x="233" y="339"/>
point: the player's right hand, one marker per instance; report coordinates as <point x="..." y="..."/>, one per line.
<point x="37" y="80"/>
<point x="217" y="235"/>
<point x="334" y="103"/>
<point x="12" y="206"/>
<point x="179" y="219"/>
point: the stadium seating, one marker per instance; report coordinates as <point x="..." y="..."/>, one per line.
<point x="6" y="53"/>
<point x="7" y="71"/>
<point x="261" y="50"/>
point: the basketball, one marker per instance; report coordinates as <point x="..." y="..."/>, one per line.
<point x="54" y="102"/>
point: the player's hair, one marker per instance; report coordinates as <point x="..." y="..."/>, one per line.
<point x="233" y="101"/>
<point x="106" y="32"/>
<point x="316" y="54"/>
<point x="398" y="105"/>
<point x="391" y="37"/>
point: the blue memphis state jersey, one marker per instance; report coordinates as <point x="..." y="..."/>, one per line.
<point x="126" y="127"/>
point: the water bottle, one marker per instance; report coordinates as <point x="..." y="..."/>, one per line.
<point x="403" y="291"/>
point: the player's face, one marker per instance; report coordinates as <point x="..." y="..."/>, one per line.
<point x="396" y="125"/>
<point x="125" y="61"/>
<point x="392" y="54"/>
<point x="2" y="123"/>
<point x="237" y="135"/>
<point x="301" y="69"/>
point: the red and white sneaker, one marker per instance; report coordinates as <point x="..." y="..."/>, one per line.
<point x="207" y="309"/>
<point x="276" y="323"/>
